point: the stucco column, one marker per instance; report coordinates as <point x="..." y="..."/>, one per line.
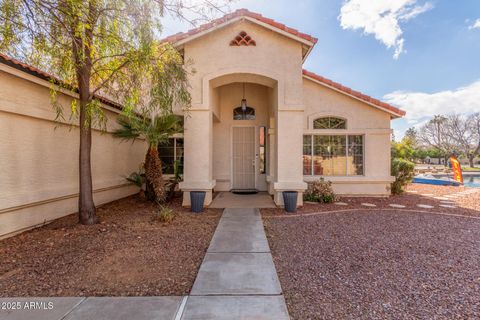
<point x="272" y="156"/>
<point x="198" y="149"/>
<point x="289" y="148"/>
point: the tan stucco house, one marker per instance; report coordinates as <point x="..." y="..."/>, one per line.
<point x="259" y="121"/>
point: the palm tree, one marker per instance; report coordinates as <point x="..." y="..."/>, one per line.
<point x="156" y="130"/>
<point x="150" y="114"/>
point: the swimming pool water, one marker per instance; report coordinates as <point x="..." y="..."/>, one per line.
<point x="471" y="181"/>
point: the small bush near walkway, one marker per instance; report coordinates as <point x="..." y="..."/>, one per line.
<point x="320" y="191"/>
<point x="164" y="214"/>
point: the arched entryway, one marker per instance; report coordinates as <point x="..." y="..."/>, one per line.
<point x="243" y="131"/>
<point x="227" y="150"/>
<point x="241" y="158"/>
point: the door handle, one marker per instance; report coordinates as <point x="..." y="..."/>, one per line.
<point x="253" y="162"/>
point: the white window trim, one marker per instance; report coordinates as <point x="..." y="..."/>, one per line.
<point x="175" y="138"/>
<point x="337" y="133"/>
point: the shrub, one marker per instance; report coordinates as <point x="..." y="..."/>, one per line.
<point x="164" y="214"/>
<point x="320" y="191"/>
<point x="307" y="196"/>
<point x="137" y="178"/>
<point x="170" y="187"/>
<point x="328" y="198"/>
<point x="177" y="170"/>
<point x="403" y="171"/>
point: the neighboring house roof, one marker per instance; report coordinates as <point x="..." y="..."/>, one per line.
<point x="395" y="112"/>
<point x="184" y="37"/>
<point x="14" y="63"/>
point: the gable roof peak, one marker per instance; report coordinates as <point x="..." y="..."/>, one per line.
<point x="183" y="37"/>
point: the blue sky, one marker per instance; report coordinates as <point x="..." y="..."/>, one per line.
<point x="431" y="67"/>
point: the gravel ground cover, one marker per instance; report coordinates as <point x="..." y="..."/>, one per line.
<point x="377" y="264"/>
<point x="466" y="205"/>
<point x="127" y="254"/>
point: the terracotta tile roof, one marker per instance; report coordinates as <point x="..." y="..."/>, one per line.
<point x="239" y="13"/>
<point x="359" y="95"/>
<point x="19" y="65"/>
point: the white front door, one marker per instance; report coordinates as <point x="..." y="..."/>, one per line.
<point x="243" y="158"/>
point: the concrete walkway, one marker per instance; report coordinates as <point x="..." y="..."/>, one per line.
<point x="97" y="308"/>
<point x="230" y="200"/>
<point x="237" y="280"/>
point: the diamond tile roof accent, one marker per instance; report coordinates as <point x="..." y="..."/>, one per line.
<point x="239" y="13"/>
<point x="243" y="39"/>
<point x="380" y="104"/>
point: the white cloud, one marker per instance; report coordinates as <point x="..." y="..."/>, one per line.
<point x="381" y="18"/>
<point x="475" y="25"/>
<point x="422" y="106"/>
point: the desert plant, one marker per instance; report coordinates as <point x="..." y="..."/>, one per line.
<point x="163" y="214"/>
<point x="321" y="191"/>
<point x="137" y="178"/>
<point x="155" y="131"/>
<point x="403" y="171"/>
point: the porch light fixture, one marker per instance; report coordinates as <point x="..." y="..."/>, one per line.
<point x="244" y="112"/>
<point x="244" y="101"/>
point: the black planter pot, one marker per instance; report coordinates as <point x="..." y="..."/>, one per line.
<point x="290" y="201"/>
<point x="197" y="198"/>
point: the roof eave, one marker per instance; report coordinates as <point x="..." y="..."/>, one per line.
<point x="393" y="114"/>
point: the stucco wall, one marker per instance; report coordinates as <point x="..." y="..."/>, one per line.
<point x="39" y="157"/>
<point x="362" y="119"/>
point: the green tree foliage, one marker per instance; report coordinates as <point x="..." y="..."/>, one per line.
<point x="403" y="171"/>
<point x="404" y="149"/>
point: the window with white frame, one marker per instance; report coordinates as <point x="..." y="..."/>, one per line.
<point x="171" y="152"/>
<point x="333" y="155"/>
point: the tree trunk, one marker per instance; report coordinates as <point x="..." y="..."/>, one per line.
<point x="86" y="207"/>
<point x="81" y="49"/>
<point x="153" y="174"/>
<point x="471" y="158"/>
